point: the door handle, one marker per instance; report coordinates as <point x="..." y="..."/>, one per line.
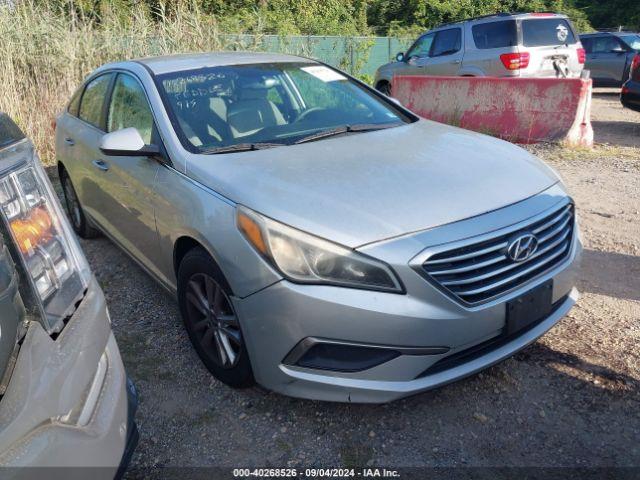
<point x="69" y="141"/>
<point x="101" y="165"/>
<point x="456" y="62"/>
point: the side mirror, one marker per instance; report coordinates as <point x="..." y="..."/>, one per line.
<point x="127" y="143"/>
<point x="400" y="57"/>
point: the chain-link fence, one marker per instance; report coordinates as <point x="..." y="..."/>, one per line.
<point x="357" y="55"/>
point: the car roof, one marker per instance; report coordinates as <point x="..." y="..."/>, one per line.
<point x="191" y="61"/>
<point x="503" y="16"/>
<point x="604" y="32"/>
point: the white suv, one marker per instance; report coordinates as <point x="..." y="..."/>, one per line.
<point x="501" y="45"/>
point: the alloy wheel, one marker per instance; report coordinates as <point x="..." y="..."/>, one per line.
<point x="214" y="322"/>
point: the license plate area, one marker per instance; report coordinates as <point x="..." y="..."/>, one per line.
<point x="529" y="308"/>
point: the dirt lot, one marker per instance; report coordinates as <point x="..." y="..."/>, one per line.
<point x="571" y="399"/>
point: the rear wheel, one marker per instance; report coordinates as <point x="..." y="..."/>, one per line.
<point x="211" y="321"/>
<point x="78" y="219"/>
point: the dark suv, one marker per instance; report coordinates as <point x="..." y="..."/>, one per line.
<point x="609" y="56"/>
<point x="630" y="95"/>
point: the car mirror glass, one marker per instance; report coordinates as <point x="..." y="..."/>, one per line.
<point x="400" y="57"/>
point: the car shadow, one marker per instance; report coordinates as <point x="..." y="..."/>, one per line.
<point x="607" y="95"/>
<point x="542" y="354"/>
<point x="624" y="134"/>
<point x="611" y="274"/>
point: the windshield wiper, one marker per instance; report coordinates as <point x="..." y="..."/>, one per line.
<point x="241" y="147"/>
<point x="361" y="127"/>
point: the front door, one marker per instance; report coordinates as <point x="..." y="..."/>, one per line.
<point x="131" y="179"/>
<point x="417" y="56"/>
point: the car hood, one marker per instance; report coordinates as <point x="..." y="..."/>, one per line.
<point x="365" y="187"/>
<point x="387" y="68"/>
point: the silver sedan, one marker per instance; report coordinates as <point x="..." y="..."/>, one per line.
<point x="320" y="239"/>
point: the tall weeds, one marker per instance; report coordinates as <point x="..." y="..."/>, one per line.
<point x="45" y="54"/>
<point x="46" y="51"/>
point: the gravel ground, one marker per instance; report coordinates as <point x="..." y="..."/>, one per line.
<point x="571" y="399"/>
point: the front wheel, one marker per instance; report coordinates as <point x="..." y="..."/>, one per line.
<point x="385" y="88"/>
<point x="211" y="321"/>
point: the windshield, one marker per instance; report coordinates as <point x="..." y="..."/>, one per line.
<point x="267" y="103"/>
<point x="9" y="131"/>
<point x="632" y="40"/>
<point x="547" y="32"/>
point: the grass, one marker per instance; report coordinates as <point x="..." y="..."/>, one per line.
<point x="46" y="53"/>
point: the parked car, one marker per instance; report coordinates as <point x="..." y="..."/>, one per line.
<point x="65" y="398"/>
<point x="630" y="94"/>
<point x="501" y="45"/>
<point x="319" y="238"/>
<point x="609" y="56"/>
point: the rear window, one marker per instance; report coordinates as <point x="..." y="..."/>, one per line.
<point x="92" y="101"/>
<point x="495" y="34"/>
<point x="74" y="103"/>
<point x="633" y="41"/>
<point x="547" y="32"/>
<point x="587" y="43"/>
<point x="9" y="131"/>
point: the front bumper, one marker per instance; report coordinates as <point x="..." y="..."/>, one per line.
<point x="277" y="319"/>
<point x="67" y="402"/>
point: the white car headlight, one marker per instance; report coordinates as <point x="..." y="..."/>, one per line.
<point x="303" y="258"/>
<point x="50" y="254"/>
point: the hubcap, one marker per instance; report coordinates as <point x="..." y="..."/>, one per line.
<point x="213" y="319"/>
<point x="73" y="205"/>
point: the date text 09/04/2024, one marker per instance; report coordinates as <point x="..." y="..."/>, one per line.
<point x="315" y="473"/>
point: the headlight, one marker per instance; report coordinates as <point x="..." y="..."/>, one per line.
<point x="50" y="254"/>
<point x="303" y="258"/>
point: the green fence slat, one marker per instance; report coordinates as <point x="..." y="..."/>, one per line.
<point x="356" y="55"/>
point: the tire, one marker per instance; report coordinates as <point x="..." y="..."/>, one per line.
<point x="78" y="219"/>
<point x="210" y="319"/>
<point x="385" y="88"/>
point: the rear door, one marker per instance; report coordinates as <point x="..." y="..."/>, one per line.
<point x="445" y="57"/>
<point x="77" y="137"/>
<point x="552" y="46"/>
<point x="607" y="60"/>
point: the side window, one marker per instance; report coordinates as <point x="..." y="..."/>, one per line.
<point x="9" y="131"/>
<point x="74" y="103"/>
<point x="92" y="101"/>
<point x="587" y="43"/>
<point x="605" y="44"/>
<point x="447" y="42"/>
<point x="129" y="108"/>
<point x="422" y="46"/>
<point x="495" y="34"/>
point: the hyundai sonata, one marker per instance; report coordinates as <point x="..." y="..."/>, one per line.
<point x="320" y="239"/>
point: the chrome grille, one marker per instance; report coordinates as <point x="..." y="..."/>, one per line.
<point x="478" y="272"/>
